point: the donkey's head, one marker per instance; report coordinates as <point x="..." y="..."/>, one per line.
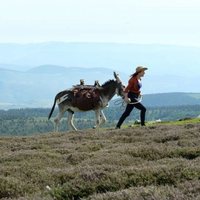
<point x="120" y="86"/>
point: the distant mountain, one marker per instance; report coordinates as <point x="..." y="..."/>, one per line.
<point x="161" y="59"/>
<point x="171" y="68"/>
<point x="74" y="71"/>
<point x="171" y="99"/>
<point x="31" y="74"/>
<point x="38" y="86"/>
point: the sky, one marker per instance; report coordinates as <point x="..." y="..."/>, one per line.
<point x="122" y="21"/>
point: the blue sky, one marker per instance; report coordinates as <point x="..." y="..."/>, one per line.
<point x="124" y="21"/>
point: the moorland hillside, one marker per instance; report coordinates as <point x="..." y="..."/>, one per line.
<point x="159" y="161"/>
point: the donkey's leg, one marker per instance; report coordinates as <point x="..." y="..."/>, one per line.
<point x="102" y="117"/>
<point x="70" y="120"/>
<point x="97" y="113"/>
<point x="57" y="120"/>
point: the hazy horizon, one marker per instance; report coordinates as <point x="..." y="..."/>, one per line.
<point x="119" y="21"/>
<point x="91" y="42"/>
<point x="162" y="35"/>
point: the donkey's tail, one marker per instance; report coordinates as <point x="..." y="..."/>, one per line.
<point x="52" y="109"/>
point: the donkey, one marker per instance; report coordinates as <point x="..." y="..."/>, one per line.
<point x="68" y="100"/>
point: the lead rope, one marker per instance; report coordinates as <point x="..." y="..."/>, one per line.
<point x="138" y="100"/>
<point x="123" y="103"/>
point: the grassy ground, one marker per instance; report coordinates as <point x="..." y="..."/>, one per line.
<point x="160" y="161"/>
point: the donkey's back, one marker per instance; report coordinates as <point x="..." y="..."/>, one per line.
<point x="84" y="98"/>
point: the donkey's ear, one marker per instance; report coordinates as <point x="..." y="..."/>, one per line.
<point x="117" y="77"/>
